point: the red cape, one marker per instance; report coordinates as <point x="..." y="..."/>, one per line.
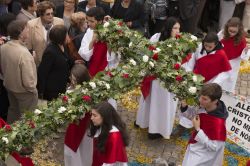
<point x="115" y="150"/>
<point x="98" y="61"/>
<point x="211" y="65"/>
<point x="233" y="51"/>
<point x="24" y="161"/>
<point x="213" y="127"/>
<point x="146" y="85"/>
<point x="75" y="132"/>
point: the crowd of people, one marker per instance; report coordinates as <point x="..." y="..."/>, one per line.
<point x="48" y="47"/>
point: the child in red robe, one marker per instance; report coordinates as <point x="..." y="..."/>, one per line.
<point x="110" y="136"/>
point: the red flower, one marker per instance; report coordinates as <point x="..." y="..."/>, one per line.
<point x="125" y="75"/>
<point x="151" y="47"/>
<point x="120" y="23"/>
<point x="7" y="128"/>
<point x="65" y="98"/>
<point x="109" y="74"/>
<point x="177" y="36"/>
<point x="32" y="124"/>
<point x="177" y="66"/>
<point x="178" y="78"/>
<point x="119" y="31"/>
<point x="155" y="57"/>
<point x="86" y="98"/>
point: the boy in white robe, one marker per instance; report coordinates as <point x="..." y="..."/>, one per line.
<point x="207" y="142"/>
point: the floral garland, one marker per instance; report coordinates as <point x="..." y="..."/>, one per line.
<point x="139" y="58"/>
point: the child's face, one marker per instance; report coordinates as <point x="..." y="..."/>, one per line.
<point x="209" y="46"/>
<point x="96" y="118"/>
<point x="206" y="102"/>
<point x="92" y="22"/>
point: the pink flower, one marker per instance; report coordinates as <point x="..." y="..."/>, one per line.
<point x="125" y="75"/>
<point x="86" y="98"/>
<point x="65" y="98"/>
<point x="155" y="57"/>
<point x="177" y="66"/>
<point x="178" y="78"/>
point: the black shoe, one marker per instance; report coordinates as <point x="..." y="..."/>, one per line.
<point x="136" y="125"/>
<point x="154" y="136"/>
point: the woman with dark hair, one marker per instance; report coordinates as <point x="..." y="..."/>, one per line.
<point x="110" y="136"/>
<point x="235" y="46"/>
<point x="54" y="70"/>
<point x="157" y="105"/>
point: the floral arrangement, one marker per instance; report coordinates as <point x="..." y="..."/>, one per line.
<point x="139" y="58"/>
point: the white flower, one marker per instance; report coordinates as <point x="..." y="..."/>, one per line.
<point x="194" y="78"/>
<point x="142" y="73"/>
<point x="169" y="45"/>
<point x="69" y="91"/>
<point x="145" y="58"/>
<point x="5" y="140"/>
<point x="107" y="86"/>
<point x="92" y="84"/>
<point x="61" y="109"/>
<point x="194" y="38"/>
<point x="37" y="111"/>
<point x="84" y="91"/>
<point x="100" y="83"/>
<point x="151" y="64"/>
<point x="106" y="24"/>
<point x="130" y="44"/>
<point x="157" y="50"/>
<point x="192" y="90"/>
<point x="133" y="62"/>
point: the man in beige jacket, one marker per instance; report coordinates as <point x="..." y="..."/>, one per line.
<point x="40" y="27"/>
<point x="19" y="73"/>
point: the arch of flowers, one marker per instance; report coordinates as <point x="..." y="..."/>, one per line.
<point x="139" y="57"/>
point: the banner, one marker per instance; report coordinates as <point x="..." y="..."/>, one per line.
<point x="238" y="122"/>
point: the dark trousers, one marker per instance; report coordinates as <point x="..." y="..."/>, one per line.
<point x="4" y="102"/>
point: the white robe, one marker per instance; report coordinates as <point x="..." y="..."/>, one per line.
<point x="157" y="111"/>
<point x="204" y="152"/>
<point x="230" y="83"/>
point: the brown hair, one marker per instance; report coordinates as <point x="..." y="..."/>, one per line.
<point x="58" y="34"/>
<point x="212" y="90"/>
<point x="80" y="72"/>
<point x="15" y="28"/>
<point x="43" y="6"/>
<point x="77" y="19"/>
<point x="234" y="22"/>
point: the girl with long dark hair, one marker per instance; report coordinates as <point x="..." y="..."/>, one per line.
<point x="110" y="136"/>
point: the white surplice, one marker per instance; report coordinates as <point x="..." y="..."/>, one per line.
<point x="204" y="152"/>
<point x="230" y="83"/>
<point x="157" y="111"/>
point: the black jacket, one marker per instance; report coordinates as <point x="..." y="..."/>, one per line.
<point x="188" y="8"/>
<point x="60" y="11"/>
<point x="135" y="13"/>
<point x="103" y="5"/>
<point x="53" y="72"/>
